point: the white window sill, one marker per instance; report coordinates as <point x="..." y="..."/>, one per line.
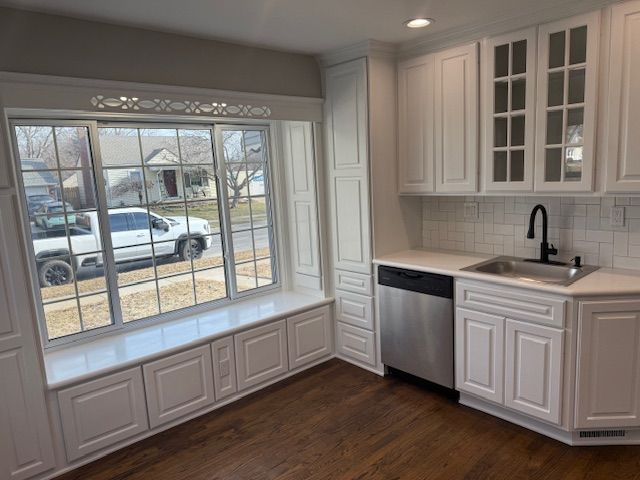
<point x="88" y="360"/>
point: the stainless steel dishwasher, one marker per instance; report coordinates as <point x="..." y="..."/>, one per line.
<point x="416" y="323"/>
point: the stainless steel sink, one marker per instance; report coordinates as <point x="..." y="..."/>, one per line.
<point x="556" y="273"/>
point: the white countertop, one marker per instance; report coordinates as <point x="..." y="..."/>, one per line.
<point x="604" y="281"/>
<point x="86" y="360"/>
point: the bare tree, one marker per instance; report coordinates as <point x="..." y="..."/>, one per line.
<point x="36" y="142"/>
<point x="128" y="186"/>
<point x="239" y="173"/>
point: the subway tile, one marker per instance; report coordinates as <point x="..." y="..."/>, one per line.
<point x="599" y="236"/>
<point x="503" y="229"/>
<point x="626" y="262"/>
<point x="484" y="248"/>
<point x="586" y="247"/>
<point x="605" y="257"/>
<point x="621" y="244"/>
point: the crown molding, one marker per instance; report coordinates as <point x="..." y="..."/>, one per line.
<point x="452" y="37"/>
<point x="368" y="48"/>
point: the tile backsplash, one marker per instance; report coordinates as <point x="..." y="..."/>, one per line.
<point x="577" y="226"/>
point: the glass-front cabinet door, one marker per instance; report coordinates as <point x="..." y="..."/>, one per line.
<point x="509" y="84"/>
<point x="566" y="101"/>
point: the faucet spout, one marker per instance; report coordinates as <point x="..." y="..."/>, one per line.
<point x="545" y="250"/>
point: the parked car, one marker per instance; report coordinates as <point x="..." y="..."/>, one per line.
<point x="34" y="202"/>
<point x="51" y="214"/>
<point x="132" y="230"/>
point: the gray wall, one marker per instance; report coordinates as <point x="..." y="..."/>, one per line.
<point x="54" y="45"/>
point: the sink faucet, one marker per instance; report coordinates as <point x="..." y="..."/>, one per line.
<point x="545" y="249"/>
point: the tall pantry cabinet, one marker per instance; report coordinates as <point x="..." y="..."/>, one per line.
<point x="366" y="216"/>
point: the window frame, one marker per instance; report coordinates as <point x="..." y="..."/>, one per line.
<point x="110" y="266"/>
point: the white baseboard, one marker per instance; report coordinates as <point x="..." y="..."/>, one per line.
<point x="361" y="365"/>
<point x="632" y="436"/>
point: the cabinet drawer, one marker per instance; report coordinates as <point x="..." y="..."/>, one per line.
<point x="309" y="336"/>
<point x="224" y="368"/>
<point x="178" y="385"/>
<point x="261" y="354"/>
<point x="511" y="303"/>
<point x="354" y="309"/>
<point x="356" y="343"/>
<point x="354" y="282"/>
<point x="102" y="412"/>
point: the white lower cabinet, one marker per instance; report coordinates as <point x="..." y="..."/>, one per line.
<point x="356" y="343"/>
<point x="479" y="354"/>
<point x="533" y="369"/>
<point x="309" y="336"/>
<point x="608" y="373"/>
<point x="261" y="354"/>
<point x="513" y="363"/>
<point x="178" y="385"/>
<point x="102" y="412"/>
<point x="224" y="368"/>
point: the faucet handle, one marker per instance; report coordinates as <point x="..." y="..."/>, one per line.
<point x="552" y="250"/>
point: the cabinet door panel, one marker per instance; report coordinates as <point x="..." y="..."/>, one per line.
<point x="224" y="368"/>
<point x="415" y="125"/>
<point x="309" y="336"/>
<point x="533" y="375"/>
<point x="480" y="354"/>
<point x="354" y="309"/>
<point x="25" y="442"/>
<point x="456" y="119"/>
<point x="623" y="123"/>
<point x="566" y="104"/>
<point x="356" y="343"/>
<point x="351" y="236"/>
<point x="102" y="412"/>
<point x="178" y="385"/>
<point x="298" y="155"/>
<point x="261" y="354"/>
<point x="346" y="115"/>
<point x="608" y="377"/>
<point x="509" y="102"/>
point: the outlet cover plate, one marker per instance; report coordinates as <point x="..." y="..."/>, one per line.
<point x="616" y="217"/>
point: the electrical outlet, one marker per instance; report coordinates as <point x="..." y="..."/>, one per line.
<point x="616" y="217"/>
<point x="471" y="210"/>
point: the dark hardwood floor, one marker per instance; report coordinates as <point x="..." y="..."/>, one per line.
<point x="337" y="421"/>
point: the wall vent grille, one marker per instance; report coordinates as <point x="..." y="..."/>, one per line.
<point x="603" y="433"/>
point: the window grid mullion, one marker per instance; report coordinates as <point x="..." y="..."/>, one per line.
<point x="186" y="214"/>
<point x="153" y="247"/>
<point x="108" y="259"/>
<point x="225" y="214"/>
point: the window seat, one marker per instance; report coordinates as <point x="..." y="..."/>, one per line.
<point x="87" y="360"/>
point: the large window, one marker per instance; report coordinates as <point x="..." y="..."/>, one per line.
<point x="133" y="222"/>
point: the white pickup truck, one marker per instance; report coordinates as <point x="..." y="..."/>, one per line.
<point x="132" y="231"/>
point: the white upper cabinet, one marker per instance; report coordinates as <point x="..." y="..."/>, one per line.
<point x="415" y="125"/>
<point x="623" y="100"/>
<point x="456" y="119"/>
<point x="566" y="104"/>
<point x="509" y="66"/>
<point x="346" y="134"/>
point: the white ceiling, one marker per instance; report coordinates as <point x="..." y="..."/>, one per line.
<point x="309" y="26"/>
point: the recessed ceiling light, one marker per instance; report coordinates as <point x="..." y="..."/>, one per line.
<point x="418" y="22"/>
